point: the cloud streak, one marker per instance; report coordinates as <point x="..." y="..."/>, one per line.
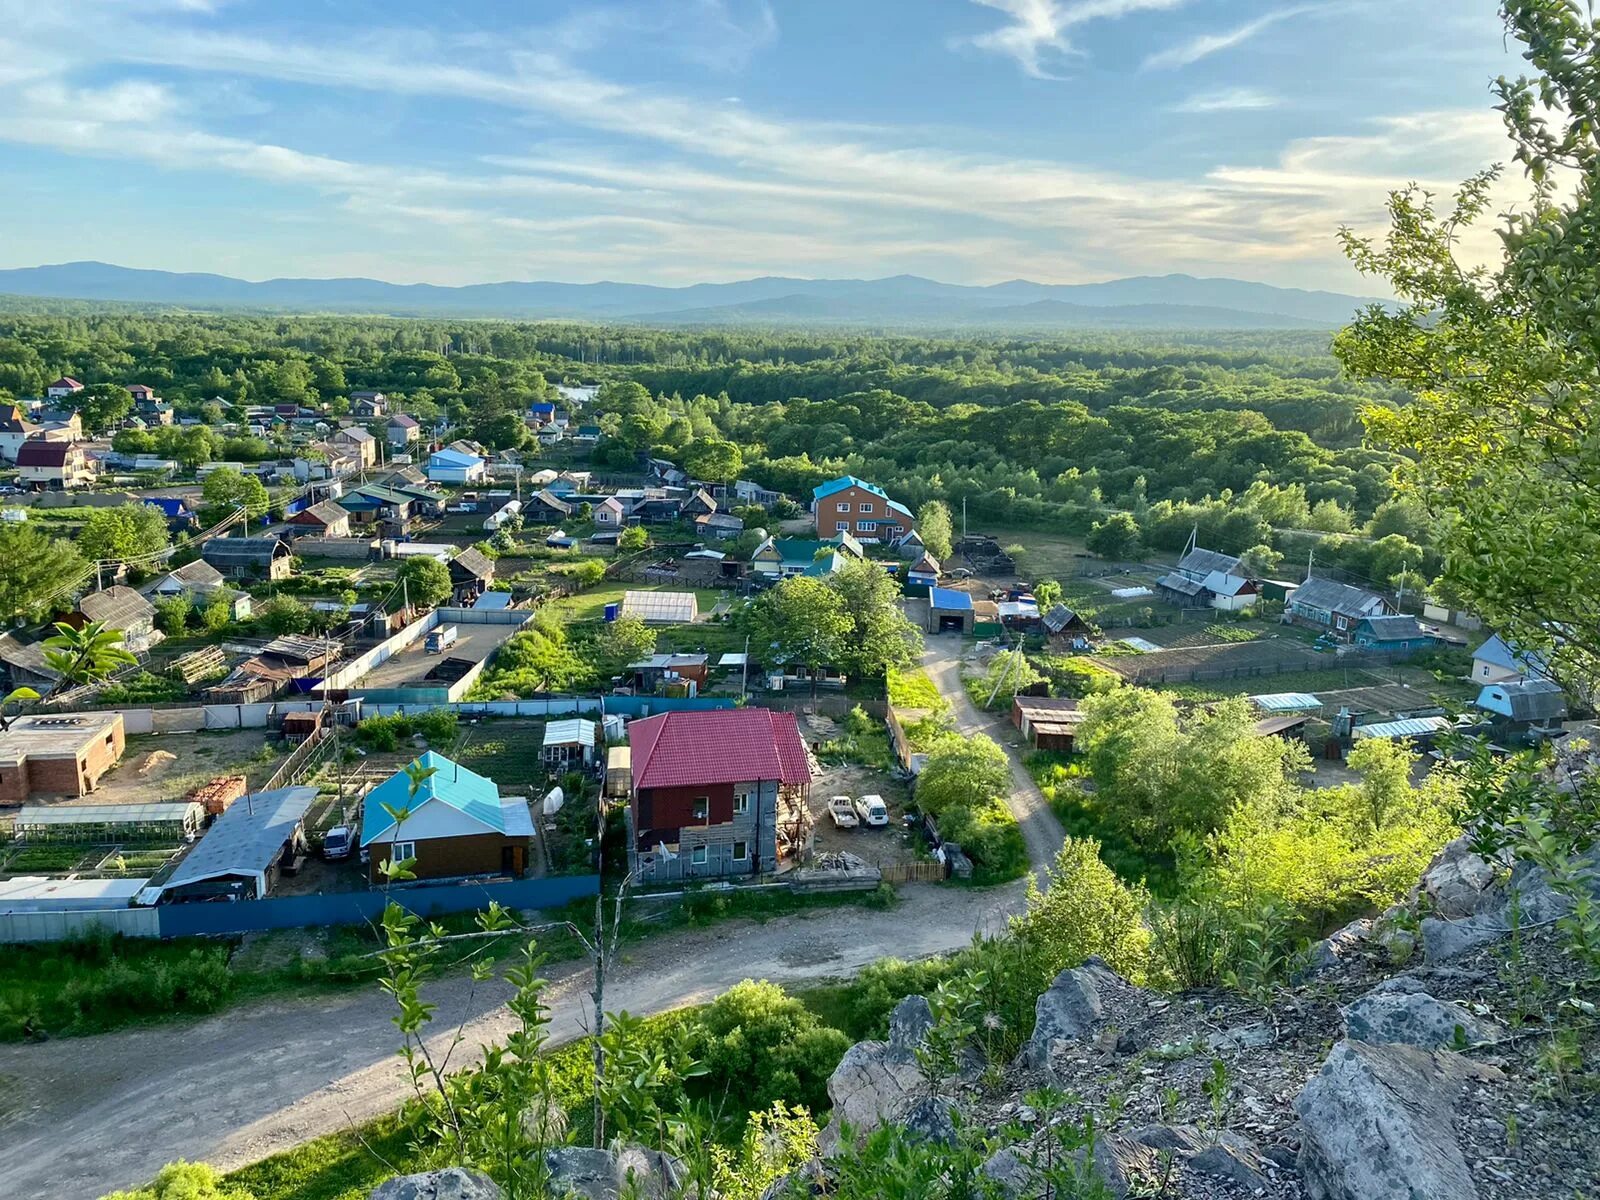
<point x="1036" y="37"/>
<point x="1239" y="99"/>
<point x="1188" y="53"/>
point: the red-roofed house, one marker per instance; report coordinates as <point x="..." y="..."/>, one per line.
<point x="62" y="388"/>
<point x="52" y="465"/>
<point x="710" y="791"/>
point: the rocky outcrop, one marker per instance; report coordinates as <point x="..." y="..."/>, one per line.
<point x="878" y="1083"/>
<point x="1414" y="1018"/>
<point x="1459" y="883"/>
<point x="579" y="1172"/>
<point x="1078" y="1007"/>
<point x="1336" y="950"/>
<point x="1376" y="1124"/>
<point x="453" y="1183"/>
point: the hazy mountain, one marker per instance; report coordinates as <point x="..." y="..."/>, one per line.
<point x="1167" y="301"/>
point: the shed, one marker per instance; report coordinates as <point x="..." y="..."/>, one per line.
<point x="34" y="893"/>
<point x="569" y="742"/>
<point x="660" y="608"/>
<point x="619" y="772"/>
<point x="1421" y="729"/>
<point x="1049" y="723"/>
<point x="298" y="726"/>
<point x="949" y="611"/>
<point x="1283" y="702"/>
<point x="1526" y="701"/>
<point x="196" y="577"/>
<point x="248" y="557"/>
<point x="471" y="570"/>
<point x="244" y="850"/>
<point x="1399" y="635"/>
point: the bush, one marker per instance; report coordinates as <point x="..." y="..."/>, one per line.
<point x="143" y="687"/>
<point x="185" y="1181"/>
<point x="913" y="689"/>
<point x="1077" y="677"/>
<point x="760" y="1045"/>
<point x="284" y="614"/>
<point x="963" y="786"/>
<point x="437" y="726"/>
<point x="584" y="573"/>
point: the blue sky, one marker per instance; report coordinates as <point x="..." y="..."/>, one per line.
<point x="674" y="141"/>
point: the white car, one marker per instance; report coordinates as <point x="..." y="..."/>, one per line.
<point x="843" y="812"/>
<point x="872" y="810"/>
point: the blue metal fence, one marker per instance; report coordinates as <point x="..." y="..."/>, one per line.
<point x="355" y="908"/>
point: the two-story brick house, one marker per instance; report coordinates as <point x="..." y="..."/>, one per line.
<point x="861" y="509"/>
<point x="708" y="790"/>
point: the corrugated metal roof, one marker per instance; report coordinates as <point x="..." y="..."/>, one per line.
<point x="949" y="598"/>
<point x="1285" y="701"/>
<point x="247" y="837"/>
<point x="106" y="814"/>
<point x="451" y="784"/>
<point x="1408" y="728"/>
<point x="573" y="730"/>
<point x="730" y="745"/>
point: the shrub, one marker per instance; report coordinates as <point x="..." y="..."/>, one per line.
<point x="437" y="726"/>
<point x="760" y="1045"/>
<point x="913" y="689"/>
<point x="584" y="573"/>
<point x="1086" y="911"/>
<point x="185" y="1181"/>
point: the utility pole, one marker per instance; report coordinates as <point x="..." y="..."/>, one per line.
<point x="744" y="679"/>
<point x="963" y="518"/>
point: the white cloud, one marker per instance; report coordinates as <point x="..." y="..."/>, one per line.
<point x="1207" y="44"/>
<point x="1038" y="28"/>
<point x="1238" y="99"/>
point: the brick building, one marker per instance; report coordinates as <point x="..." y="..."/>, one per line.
<point x="863" y="510"/>
<point x="50" y="755"/>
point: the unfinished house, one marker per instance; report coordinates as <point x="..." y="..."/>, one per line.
<point x="50" y="755"/>
<point x="711" y="790"/>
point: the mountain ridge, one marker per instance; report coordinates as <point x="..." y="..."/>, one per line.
<point x="1150" y="301"/>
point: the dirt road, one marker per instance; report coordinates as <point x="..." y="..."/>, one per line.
<point x="79" y="1117"/>
<point x="1041" y="831"/>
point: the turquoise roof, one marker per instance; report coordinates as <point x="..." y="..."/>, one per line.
<point x="823" y="490"/>
<point x="451" y="784"/>
<point x="452" y="458"/>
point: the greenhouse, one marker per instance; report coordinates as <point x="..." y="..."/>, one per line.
<point x="110" y="822"/>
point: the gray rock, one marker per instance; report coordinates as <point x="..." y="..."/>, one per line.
<point x="1234" y="1158"/>
<point x="878" y="1083"/>
<point x="1333" y="951"/>
<point x="932" y="1119"/>
<point x="1009" y="1171"/>
<point x="1398" y="942"/>
<point x="1458" y="883"/>
<point x="1123" y="1165"/>
<point x="908" y="1026"/>
<point x="1241" y="1037"/>
<point x="1174" y="1139"/>
<point x="1412" y="1019"/>
<point x="453" y="1183"/>
<point x="1375" y="1124"/>
<point x="641" y="1174"/>
<point x="1072" y="1009"/>
<point x="1443" y="940"/>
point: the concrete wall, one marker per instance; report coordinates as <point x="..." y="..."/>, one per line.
<point x="349" y="675"/>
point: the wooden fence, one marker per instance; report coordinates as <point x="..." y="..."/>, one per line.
<point x="307" y="756"/>
<point x="913" y="872"/>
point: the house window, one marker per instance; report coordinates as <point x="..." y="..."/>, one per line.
<point x="402" y="851"/>
<point x="843" y="507"/>
<point x="702" y="808"/>
<point x="741" y="852"/>
<point x="697" y="856"/>
<point x="866" y="506"/>
<point x="741" y="804"/>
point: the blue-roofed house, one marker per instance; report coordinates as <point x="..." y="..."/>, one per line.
<point x="1498" y="661"/>
<point x="1398" y="635"/>
<point x="861" y="509"/>
<point x="456" y="466"/>
<point x="457" y="824"/>
<point x="542" y="412"/>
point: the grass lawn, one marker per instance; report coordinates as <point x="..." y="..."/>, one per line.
<point x="1334" y="678"/>
<point x="1048" y="555"/>
<point x="913" y="689"/>
<point x="590" y="605"/>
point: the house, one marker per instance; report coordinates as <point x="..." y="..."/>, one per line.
<point x="542" y="412"/>
<point x="1399" y="635"/>
<point x="1497" y="661"/>
<point x="660" y="608"/>
<point x="650" y="675"/>
<point x="401" y="431"/>
<point x="1335" y="607"/>
<point x="1061" y="622"/>
<point x="546" y="508"/>
<point x="25" y="663"/>
<point x="851" y="505"/>
<point x="46" y="754"/>
<point x="568" y="744"/>
<point x="62" y="388"/>
<point x="124" y="610"/>
<point x="425" y="501"/>
<point x="949" y="611"/>
<point x="142" y="393"/>
<point x="376" y="504"/>
<point x="587" y="435"/>
<point x="455" y="825"/>
<point x="46" y="464"/>
<point x="746" y="492"/>
<point x="198" y="578"/>
<point x="655" y="510"/>
<point x="1538" y="703"/>
<point x="697" y="504"/>
<point x="924" y="573"/>
<point x="779" y="558"/>
<point x="1205" y="578"/>
<point x="471" y="572"/>
<point x="452" y="466"/>
<point x="327" y="519"/>
<point x="709" y="791"/>
<point x="719" y="527"/>
<point x="242" y="855"/>
<point x="368" y="405"/>
<point x="248" y="557"/>
<point x="361" y="441"/>
<point x="15" y="428"/>
<point x="1048" y="722"/>
<point x="609" y="513"/>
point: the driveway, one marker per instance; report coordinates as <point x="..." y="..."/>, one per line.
<point x="1041" y="831"/>
<point x="82" y="1116"/>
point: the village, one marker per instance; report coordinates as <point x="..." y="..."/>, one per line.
<point x="391" y="606"/>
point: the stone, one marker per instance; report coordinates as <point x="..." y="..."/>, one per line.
<point x="1413" y="1019"/>
<point x="909" y="1024"/>
<point x="1072" y="1009"/>
<point x="1234" y="1158"/>
<point x="633" y="1171"/>
<point x="1009" y="1171"/>
<point x="1124" y="1166"/>
<point x="932" y="1119"/>
<point x="1459" y="883"/>
<point x="1333" y="951"/>
<point x="1376" y="1124"/>
<point x="452" y="1183"/>
<point x="878" y="1083"/>
<point x="1443" y="940"/>
<point x="1174" y="1139"/>
<point x="1241" y="1037"/>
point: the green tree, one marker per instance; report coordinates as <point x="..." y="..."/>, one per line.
<point x="1048" y="594"/>
<point x="880" y="638"/>
<point x="933" y="523"/>
<point x="508" y="431"/>
<point x="633" y="539"/>
<point x="763" y="1046"/>
<point x="624" y="641"/>
<point x="217" y="614"/>
<point x="1083" y="910"/>
<point x="34" y="568"/>
<point x="1500" y="440"/>
<point x="961" y="772"/>
<point x="1261" y="562"/>
<point x="172" y="615"/>
<point x="227" y="490"/>
<point x="284" y="614"/>
<point x="426" y="580"/>
<point x="125" y="532"/>
<point x="102" y="406"/>
<point x="802" y="622"/>
<point x="1115" y="538"/>
<point x="714" y="461"/>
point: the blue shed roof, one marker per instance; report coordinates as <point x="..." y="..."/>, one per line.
<point x="949" y="598"/>
<point x="451" y="784"/>
<point x="171" y="506"/>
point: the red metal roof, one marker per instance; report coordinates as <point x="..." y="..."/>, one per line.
<point x="36" y="452"/>
<point x="729" y="745"/>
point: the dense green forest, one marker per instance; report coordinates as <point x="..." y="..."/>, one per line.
<point x="1256" y="439"/>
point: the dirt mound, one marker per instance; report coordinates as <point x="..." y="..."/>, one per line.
<point x="156" y="760"/>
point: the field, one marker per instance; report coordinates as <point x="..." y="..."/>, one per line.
<point x="1261" y="659"/>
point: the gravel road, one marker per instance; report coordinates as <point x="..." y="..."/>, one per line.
<point x="82" y="1116"/>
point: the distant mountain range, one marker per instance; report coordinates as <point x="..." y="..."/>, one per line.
<point x="1144" y="302"/>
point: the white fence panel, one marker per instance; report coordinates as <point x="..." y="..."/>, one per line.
<point x="61" y="926"/>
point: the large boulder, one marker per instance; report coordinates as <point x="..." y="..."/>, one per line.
<point x="453" y="1183"/>
<point x="1413" y="1018"/>
<point x="1074" y="1008"/>
<point x="878" y="1083"/>
<point x="640" y="1174"/>
<point x="1335" y="950"/>
<point x="1375" y="1124"/>
<point x="1459" y="883"/>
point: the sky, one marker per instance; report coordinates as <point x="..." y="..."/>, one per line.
<point x="680" y="141"/>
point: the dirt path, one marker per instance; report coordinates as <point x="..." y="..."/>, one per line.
<point x="79" y="1117"/>
<point x="1041" y="831"/>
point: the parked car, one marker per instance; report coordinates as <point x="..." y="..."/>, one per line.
<point x="872" y="810"/>
<point x="960" y="573"/>
<point x="843" y="812"/>
<point x="337" y="843"/>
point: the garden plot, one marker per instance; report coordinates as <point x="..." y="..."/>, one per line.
<point x="1263" y="657"/>
<point x="158" y="768"/>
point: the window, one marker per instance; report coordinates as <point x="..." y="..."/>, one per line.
<point x="702" y="808"/>
<point x="741" y="852"/>
<point x="866" y="506"/>
<point x="697" y="856"/>
<point x="741" y="804"/>
<point x="402" y="851"/>
<point x="843" y="506"/>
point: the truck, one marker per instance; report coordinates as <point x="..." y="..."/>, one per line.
<point x="441" y="640"/>
<point x="872" y="810"/>
<point x="843" y="812"/>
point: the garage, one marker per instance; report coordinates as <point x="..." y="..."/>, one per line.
<point x="949" y="611"/>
